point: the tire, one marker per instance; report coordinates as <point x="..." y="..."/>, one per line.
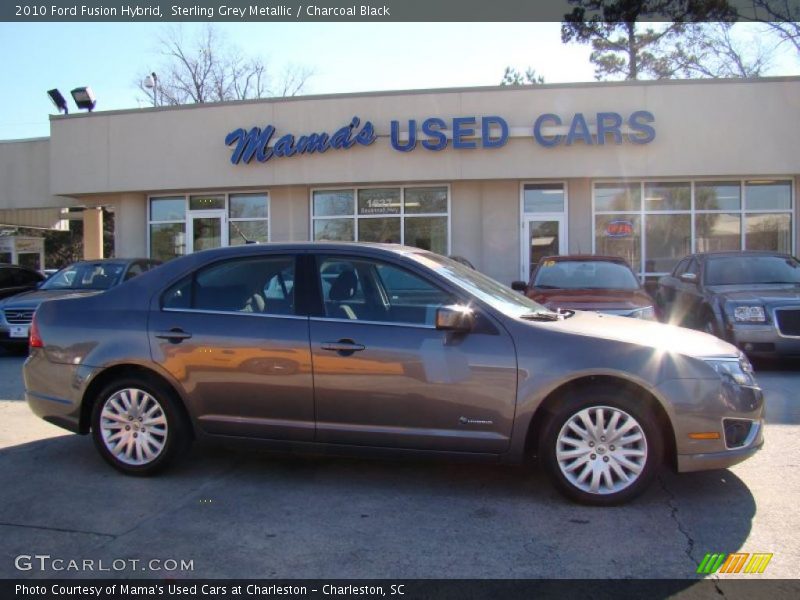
<point x="138" y="450"/>
<point x="577" y="464"/>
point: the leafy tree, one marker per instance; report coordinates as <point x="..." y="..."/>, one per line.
<point x="208" y="68"/>
<point x="623" y="48"/>
<point x="514" y="77"/>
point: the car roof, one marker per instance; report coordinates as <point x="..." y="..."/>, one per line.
<point x="739" y="254"/>
<point x="585" y="257"/>
<point x="110" y="261"/>
<point x="317" y="246"/>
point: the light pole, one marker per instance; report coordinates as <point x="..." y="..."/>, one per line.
<point x="151" y="83"/>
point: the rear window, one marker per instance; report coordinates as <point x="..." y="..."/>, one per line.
<point x="590" y="274"/>
<point x="742" y="270"/>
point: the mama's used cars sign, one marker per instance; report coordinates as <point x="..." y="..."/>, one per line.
<point x="435" y="134"/>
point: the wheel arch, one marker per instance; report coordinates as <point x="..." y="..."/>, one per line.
<point x="549" y="403"/>
<point x="118" y="371"/>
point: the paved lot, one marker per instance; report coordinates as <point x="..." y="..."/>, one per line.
<point x="237" y="514"/>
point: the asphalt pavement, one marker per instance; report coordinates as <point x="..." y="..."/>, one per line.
<point x="234" y="513"/>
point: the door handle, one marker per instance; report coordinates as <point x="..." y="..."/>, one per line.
<point x="343" y="347"/>
<point x="174" y="335"/>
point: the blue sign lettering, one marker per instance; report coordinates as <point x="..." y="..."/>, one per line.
<point x="493" y="133"/>
<point x="255" y="143"/>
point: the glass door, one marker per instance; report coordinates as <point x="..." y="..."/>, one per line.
<point x="206" y="230"/>
<point x="542" y="236"/>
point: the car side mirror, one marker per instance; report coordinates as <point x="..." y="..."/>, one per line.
<point x="519" y="286"/>
<point x="689" y="277"/>
<point x="455" y="318"/>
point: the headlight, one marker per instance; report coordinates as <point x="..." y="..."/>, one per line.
<point x="749" y="314"/>
<point x="648" y="312"/>
<point x="738" y="369"/>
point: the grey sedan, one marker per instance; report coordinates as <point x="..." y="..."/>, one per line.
<point x="751" y="299"/>
<point x="378" y="349"/>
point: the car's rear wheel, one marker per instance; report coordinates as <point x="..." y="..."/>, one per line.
<point x="137" y="426"/>
<point x="602" y="447"/>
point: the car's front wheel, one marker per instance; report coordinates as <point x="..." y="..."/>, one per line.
<point x="602" y="448"/>
<point x="137" y="426"/>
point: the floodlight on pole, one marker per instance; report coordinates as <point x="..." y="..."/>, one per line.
<point x="58" y="100"/>
<point x="151" y="83"/>
<point x="84" y="98"/>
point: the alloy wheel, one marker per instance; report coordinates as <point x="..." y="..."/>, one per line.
<point x="133" y="426"/>
<point x="601" y="450"/>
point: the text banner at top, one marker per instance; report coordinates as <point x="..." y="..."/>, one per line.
<point x="322" y="10"/>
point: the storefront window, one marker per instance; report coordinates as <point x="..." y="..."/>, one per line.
<point x="619" y="235"/>
<point x="718" y="195"/>
<point x="248" y="218"/>
<point x="681" y="217"/>
<point x="416" y="216"/>
<point x="543" y="197"/>
<point x="717" y="232"/>
<point x="167" y="227"/>
<point x="668" y="239"/>
<point x="167" y="240"/>
<point x="768" y="195"/>
<point x="617" y="197"/>
<point x="207" y="202"/>
<point x="769" y="231"/>
<point x="667" y="196"/>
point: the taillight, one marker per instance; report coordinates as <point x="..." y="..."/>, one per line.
<point x="35" y="339"/>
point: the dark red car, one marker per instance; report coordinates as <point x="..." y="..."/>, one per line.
<point x="604" y="284"/>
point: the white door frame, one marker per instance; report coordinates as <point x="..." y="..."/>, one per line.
<point x="560" y="218"/>
<point x="217" y="213"/>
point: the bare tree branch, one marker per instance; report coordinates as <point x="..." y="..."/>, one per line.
<point x="210" y="69"/>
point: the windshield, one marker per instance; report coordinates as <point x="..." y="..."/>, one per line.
<point x="585" y="274"/>
<point x="85" y="276"/>
<point x="738" y="270"/>
<point x="479" y="285"/>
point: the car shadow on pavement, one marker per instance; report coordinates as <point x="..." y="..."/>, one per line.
<point x="320" y="516"/>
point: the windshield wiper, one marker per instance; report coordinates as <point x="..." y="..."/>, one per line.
<point x="546" y="315"/>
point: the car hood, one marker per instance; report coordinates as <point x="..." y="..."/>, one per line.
<point x="761" y="293"/>
<point x="590" y="299"/>
<point x="34" y="298"/>
<point x="646" y="333"/>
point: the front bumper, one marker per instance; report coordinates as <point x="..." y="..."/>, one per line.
<point x="762" y="340"/>
<point x="702" y="407"/>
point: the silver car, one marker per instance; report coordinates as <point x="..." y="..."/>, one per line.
<point x="377" y="349"/>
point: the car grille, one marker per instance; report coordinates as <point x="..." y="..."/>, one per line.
<point x="788" y="321"/>
<point x="22" y="316"/>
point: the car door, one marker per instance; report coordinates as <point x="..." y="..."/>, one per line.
<point x="230" y="334"/>
<point x="687" y="294"/>
<point x="667" y="288"/>
<point x="385" y="376"/>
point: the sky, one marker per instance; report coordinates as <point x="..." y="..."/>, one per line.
<point x="345" y="57"/>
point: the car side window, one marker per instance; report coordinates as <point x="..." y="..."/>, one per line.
<point x="694" y="267"/>
<point x="134" y="270"/>
<point x="259" y="285"/>
<point x="681" y="268"/>
<point x="367" y="290"/>
<point x="6" y="279"/>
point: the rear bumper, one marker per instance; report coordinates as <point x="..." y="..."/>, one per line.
<point x="54" y="391"/>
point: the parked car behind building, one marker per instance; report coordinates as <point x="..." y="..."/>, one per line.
<point x="751" y="299"/>
<point x="605" y="284"/>
<point x="80" y="278"/>
<point x="338" y="347"/>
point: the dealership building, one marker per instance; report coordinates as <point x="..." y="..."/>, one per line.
<point x="650" y="171"/>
